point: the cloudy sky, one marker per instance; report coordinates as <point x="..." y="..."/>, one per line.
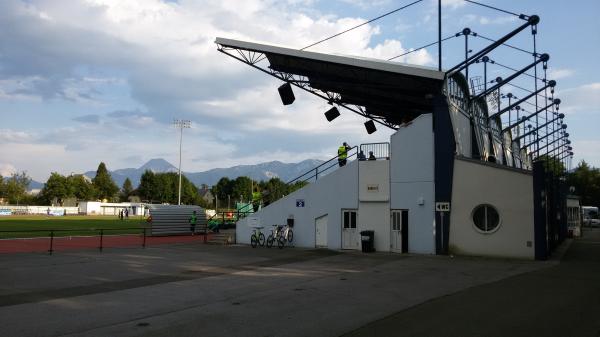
<point x="84" y="81"/>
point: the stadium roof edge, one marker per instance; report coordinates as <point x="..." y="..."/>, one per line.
<point x="357" y="61"/>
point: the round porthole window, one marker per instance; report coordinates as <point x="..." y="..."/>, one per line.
<point x="486" y="218"/>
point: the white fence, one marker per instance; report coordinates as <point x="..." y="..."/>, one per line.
<point x="31" y="210"/>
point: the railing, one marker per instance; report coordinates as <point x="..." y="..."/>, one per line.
<point x="380" y="150"/>
<point x="226" y="219"/>
<point x="324" y="168"/>
<point x="55" y="234"/>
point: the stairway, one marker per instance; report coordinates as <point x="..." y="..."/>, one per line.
<point x="224" y="237"/>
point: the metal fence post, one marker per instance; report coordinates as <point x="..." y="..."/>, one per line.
<point x="144" y="242"/>
<point x="101" y="237"/>
<point x="51" y="242"/>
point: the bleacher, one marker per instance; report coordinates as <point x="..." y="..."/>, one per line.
<point x="174" y="219"/>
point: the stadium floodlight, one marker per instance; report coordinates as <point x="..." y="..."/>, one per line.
<point x="332" y="114"/>
<point x="181" y="124"/>
<point x="286" y="94"/>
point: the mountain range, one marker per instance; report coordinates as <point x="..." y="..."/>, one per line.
<point x="262" y="171"/>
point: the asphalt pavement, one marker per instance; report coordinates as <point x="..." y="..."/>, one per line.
<point x="562" y="300"/>
<point x="201" y="290"/>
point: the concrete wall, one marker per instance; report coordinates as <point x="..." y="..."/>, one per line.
<point x="510" y="191"/>
<point x="374" y="201"/>
<point x="412" y="181"/>
<point x="328" y="195"/>
<point x="90" y="207"/>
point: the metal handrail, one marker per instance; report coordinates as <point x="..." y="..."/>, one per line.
<point x="380" y="150"/>
<point x="328" y="162"/>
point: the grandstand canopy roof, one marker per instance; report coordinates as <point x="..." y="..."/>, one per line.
<point x="387" y="91"/>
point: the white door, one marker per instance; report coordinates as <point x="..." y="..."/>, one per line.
<point x="396" y="232"/>
<point x="349" y="232"/>
<point x="321" y="231"/>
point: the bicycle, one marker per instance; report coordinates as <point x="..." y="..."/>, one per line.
<point x="281" y="234"/>
<point x="287" y="233"/>
<point x="257" y="237"/>
<point x="275" y="235"/>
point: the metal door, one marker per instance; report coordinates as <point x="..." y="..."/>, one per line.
<point x="399" y="231"/>
<point x="396" y="231"/>
<point x="321" y="231"/>
<point x="349" y="232"/>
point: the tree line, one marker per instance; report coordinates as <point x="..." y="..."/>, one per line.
<point x="586" y="181"/>
<point x="245" y="189"/>
<point x="153" y="188"/>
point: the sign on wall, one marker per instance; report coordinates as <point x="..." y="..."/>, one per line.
<point x="373" y="188"/>
<point x="442" y="206"/>
<point x="299" y="202"/>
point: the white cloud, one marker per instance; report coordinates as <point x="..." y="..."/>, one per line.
<point x="80" y="52"/>
<point x="6" y="170"/>
<point x="558" y="73"/>
<point x="581" y="99"/>
<point x="453" y="4"/>
<point x="586" y="150"/>
<point x="13" y="136"/>
<point x="484" y="20"/>
<point x="365" y="4"/>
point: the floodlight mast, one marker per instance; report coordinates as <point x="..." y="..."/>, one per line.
<point x="181" y="124"/>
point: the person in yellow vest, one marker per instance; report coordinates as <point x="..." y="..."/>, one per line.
<point x="343" y="154"/>
<point x="192" y="222"/>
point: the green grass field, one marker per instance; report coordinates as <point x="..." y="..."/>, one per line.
<point x="67" y="225"/>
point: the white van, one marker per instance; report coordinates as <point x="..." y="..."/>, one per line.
<point x="589" y="216"/>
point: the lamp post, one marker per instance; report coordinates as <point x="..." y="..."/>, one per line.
<point x="181" y="124"/>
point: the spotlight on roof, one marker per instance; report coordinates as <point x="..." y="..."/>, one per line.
<point x="370" y="126"/>
<point x="286" y="94"/>
<point x="332" y="114"/>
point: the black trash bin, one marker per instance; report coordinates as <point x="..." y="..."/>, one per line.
<point x="367" y="240"/>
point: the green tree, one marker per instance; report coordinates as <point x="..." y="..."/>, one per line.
<point x="273" y="190"/>
<point x="126" y="190"/>
<point x="15" y="188"/>
<point x="57" y="188"/>
<point x="222" y="189"/>
<point x="164" y="188"/>
<point x="242" y="188"/>
<point x="586" y="181"/>
<point x="2" y="187"/>
<point x="81" y="188"/>
<point x="103" y="184"/>
<point x="147" y="188"/>
<point x="553" y="165"/>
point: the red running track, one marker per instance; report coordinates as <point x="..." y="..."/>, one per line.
<point x="31" y="245"/>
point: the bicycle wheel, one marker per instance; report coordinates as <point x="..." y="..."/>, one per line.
<point x="261" y="239"/>
<point x="270" y="241"/>
<point x="290" y="235"/>
<point x="253" y="241"/>
<point x="281" y="242"/>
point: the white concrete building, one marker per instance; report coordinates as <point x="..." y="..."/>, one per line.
<point x="110" y="208"/>
<point x="453" y="179"/>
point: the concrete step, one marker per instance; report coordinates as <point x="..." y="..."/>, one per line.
<point x="224" y="237"/>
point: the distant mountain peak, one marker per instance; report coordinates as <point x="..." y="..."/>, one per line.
<point x="158" y="165"/>
<point x="258" y="172"/>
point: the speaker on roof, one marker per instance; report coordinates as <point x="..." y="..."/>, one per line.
<point x="332" y="114"/>
<point x="370" y="126"/>
<point x="286" y="94"/>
